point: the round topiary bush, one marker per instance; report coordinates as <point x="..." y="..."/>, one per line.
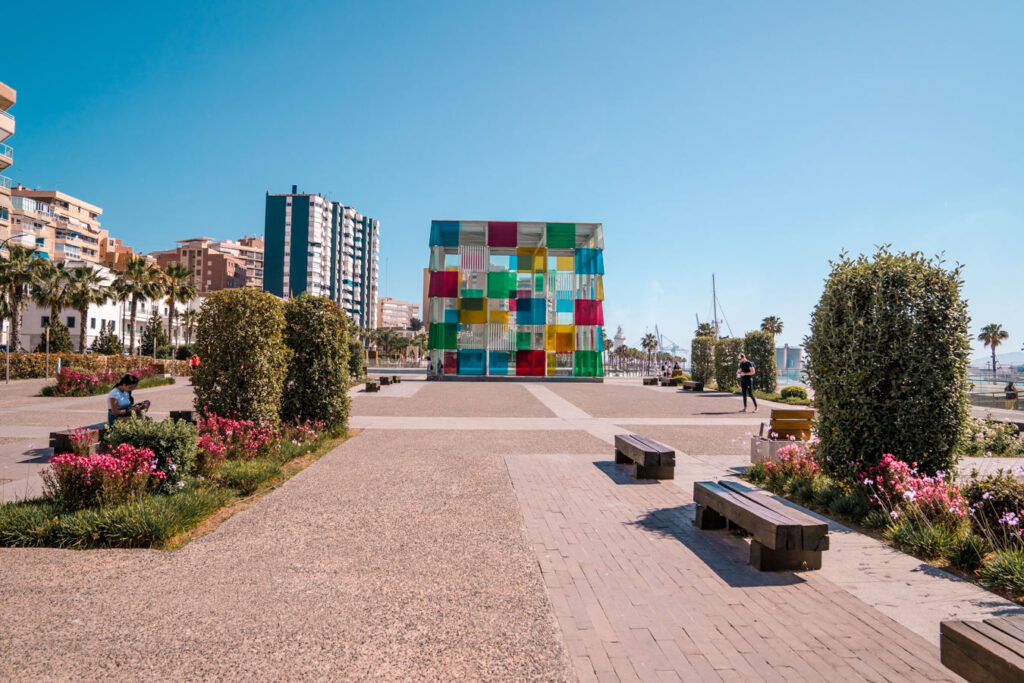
<point x="794" y="392"/>
<point x="316" y="387"/>
<point x="243" y="359"/>
<point x="888" y="356"/>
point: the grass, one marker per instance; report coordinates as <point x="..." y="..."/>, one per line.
<point x="1005" y="570"/>
<point x="157" y="381"/>
<point x="775" y="397"/>
<point x="160" y="521"/>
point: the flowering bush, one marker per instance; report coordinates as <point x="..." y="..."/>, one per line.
<point x="71" y="382"/>
<point x="82" y="440"/>
<point x="226" y="438"/>
<point x="897" y="486"/>
<point x="985" y="438"/>
<point x="80" y="481"/>
<point x="997" y="507"/>
<point x="172" y="441"/>
<point x="795" y="461"/>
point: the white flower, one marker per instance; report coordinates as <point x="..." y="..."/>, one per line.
<point x="181" y="484"/>
<point x="869" y="482"/>
<point x="986" y="495"/>
<point x="910" y="496"/>
<point x="894" y="514"/>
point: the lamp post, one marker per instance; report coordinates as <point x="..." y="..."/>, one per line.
<point x="7" y="335"/>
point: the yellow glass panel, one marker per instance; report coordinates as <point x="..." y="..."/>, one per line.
<point x="549" y="338"/>
<point x="472" y="317"/>
<point x="531" y="259"/>
<point x="499" y="317"/>
<point x="599" y="288"/>
<point x="551" y="364"/>
<point x="566" y="263"/>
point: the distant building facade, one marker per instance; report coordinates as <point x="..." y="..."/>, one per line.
<point x="212" y="269"/>
<point x="314" y="245"/>
<point x="395" y="313"/>
<point x="8" y="97"/>
<point x="59" y="226"/>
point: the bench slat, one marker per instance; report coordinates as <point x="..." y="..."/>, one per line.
<point x="792" y="414"/>
<point x="772" y="529"/>
<point x="1012" y="626"/>
<point x="814" y="532"/>
<point x="968" y="649"/>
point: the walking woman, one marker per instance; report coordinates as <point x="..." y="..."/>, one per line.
<point x="746" y="375"/>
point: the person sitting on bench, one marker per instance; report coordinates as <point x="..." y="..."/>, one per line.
<point x="121" y="404"/>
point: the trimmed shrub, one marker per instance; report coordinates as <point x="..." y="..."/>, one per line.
<point x="760" y="350"/>
<point x="316" y="387"/>
<point x="60" y="339"/>
<point x="727" y="362"/>
<point x="888" y="356"/>
<point x="355" y="358"/>
<point x="794" y="392"/>
<point x="702" y="359"/>
<point x="239" y="338"/>
<point x="107" y="343"/>
<point x="172" y="441"/>
<point x="183" y="352"/>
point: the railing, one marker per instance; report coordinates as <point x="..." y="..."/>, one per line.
<point x="6" y="114"/>
<point x="6" y="150"/>
<point x="995" y="399"/>
<point x="5" y="182"/>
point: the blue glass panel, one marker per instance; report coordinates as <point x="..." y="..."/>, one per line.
<point x="451" y="316"/>
<point x="531" y="311"/>
<point x="589" y="262"/>
<point x="498" y="364"/>
<point x="472" y="361"/>
<point x="444" y="233"/>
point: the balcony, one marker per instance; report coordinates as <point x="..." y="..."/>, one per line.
<point x="5" y="182"/>
<point x="6" y="155"/>
<point x="6" y="125"/>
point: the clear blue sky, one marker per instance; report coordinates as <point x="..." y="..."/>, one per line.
<point x="753" y="140"/>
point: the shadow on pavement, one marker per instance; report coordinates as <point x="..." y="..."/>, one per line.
<point x="37" y="456"/>
<point x="722" y="552"/>
<point x="622" y="474"/>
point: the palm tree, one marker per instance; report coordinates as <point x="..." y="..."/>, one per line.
<point x="189" y="319"/>
<point x="51" y="289"/>
<point x="180" y="287"/>
<point x="704" y="330"/>
<point x="773" y="325"/>
<point x="87" y="287"/>
<point x="140" y="280"/>
<point x="18" y="272"/>
<point x="993" y="335"/>
<point x="649" y="343"/>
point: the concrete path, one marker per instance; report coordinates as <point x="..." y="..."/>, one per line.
<point x="482" y="531"/>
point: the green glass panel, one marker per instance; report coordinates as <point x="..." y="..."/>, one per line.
<point x="472" y="293"/>
<point x="501" y="285"/>
<point x="561" y="235"/>
<point x="451" y="336"/>
<point x="522" y="341"/>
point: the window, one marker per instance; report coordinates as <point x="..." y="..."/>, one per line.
<point x="45" y="320"/>
<point x="71" y="322"/>
<point x="92" y="323"/>
<point x="166" y="311"/>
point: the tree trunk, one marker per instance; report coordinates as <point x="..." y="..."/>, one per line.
<point x="993" y="362"/>
<point x="82" y="331"/>
<point x="14" y="339"/>
<point x="131" y="324"/>
<point x="170" y="321"/>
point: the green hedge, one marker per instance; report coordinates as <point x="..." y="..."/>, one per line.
<point x="173" y="442"/>
<point x="727" y="362"/>
<point x="316" y="387"/>
<point x="702" y="359"/>
<point x="760" y="350"/>
<point x="888" y="356"/>
<point x="240" y="343"/>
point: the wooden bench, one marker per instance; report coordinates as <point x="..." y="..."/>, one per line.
<point x="371" y="387"/>
<point x="395" y="379"/>
<point x="60" y="442"/>
<point x="782" y="538"/>
<point x="650" y="381"/>
<point x="650" y="459"/>
<point x="186" y="415"/>
<point x="690" y="385"/>
<point x="984" y="651"/>
<point x="787" y="422"/>
<point x="384" y="380"/>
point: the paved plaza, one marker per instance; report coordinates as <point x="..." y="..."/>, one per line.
<point x="473" y="531"/>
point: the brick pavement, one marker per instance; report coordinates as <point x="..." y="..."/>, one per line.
<point x="641" y="594"/>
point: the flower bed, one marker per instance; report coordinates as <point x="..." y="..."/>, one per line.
<point x="33" y="365"/>
<point x="158" y="482"/>
<point x="973" y="528"/>
<point x="72" y="382"/>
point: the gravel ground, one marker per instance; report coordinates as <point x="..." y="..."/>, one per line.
<point x="636" y="400"/>
<point x="699" y="440"/>
<point x="399" y="556"/>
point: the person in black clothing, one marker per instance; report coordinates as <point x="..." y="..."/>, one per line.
<point x="1011" y="395"/>
<point x="746" y="375"/>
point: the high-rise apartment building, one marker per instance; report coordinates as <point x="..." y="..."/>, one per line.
<point x="7" y="99"/>
<point x="395" y="313"/>
<point x="60" y="226"/>
<point x="322" y="247"/>
<point x="249" y="250"/>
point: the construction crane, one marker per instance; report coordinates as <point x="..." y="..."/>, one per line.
<point x="665" y="345"/>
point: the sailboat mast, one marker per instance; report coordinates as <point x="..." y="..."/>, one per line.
<point x="714" y="304"/>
